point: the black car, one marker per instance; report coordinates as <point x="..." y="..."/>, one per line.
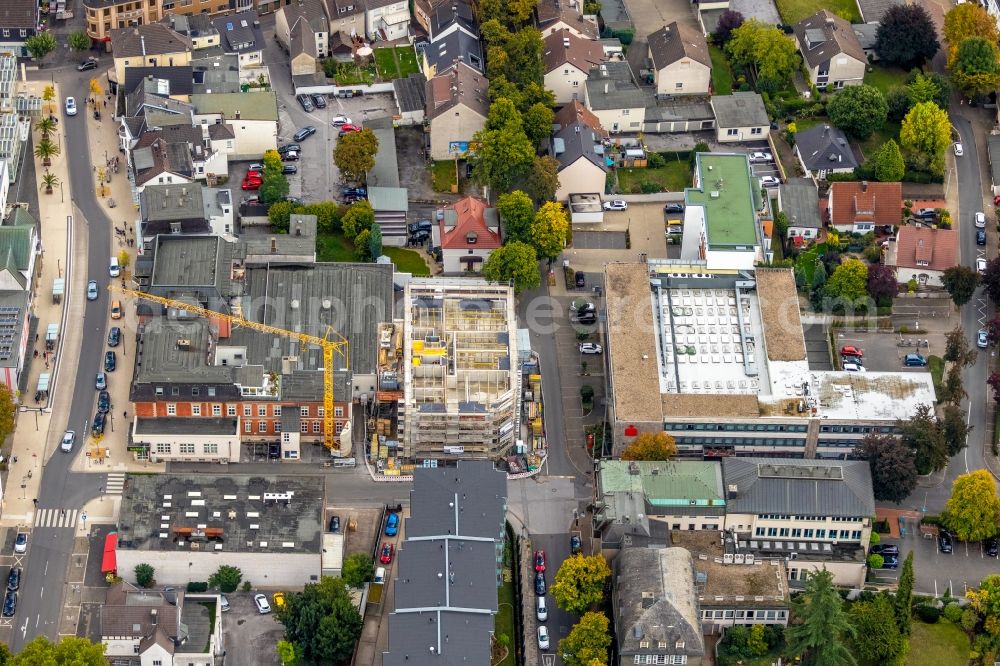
<point x="419" y="238"/>
<point x="991" y="547"/>
<point x="319" y="101"/>
<point x="289" y="169"/>
<point x="890" y="562"/>
<point x="350" y="199"/>
<point x="673" y="208"/>
<point x="289" y="147"/>
<point x="358" y="192"/>
<point x="304" y="133"/>
<point x="885" y="549"/>
<point x="103" y="402"/>
<point x="114" y="336"/>
<point x="587" y="319"/>
<point x="540" y="586"/>
<point x="100" y="420"/>
<point x="306" y="102"/>
<point x="110" y="361"/>
<point x="10" y="604"/>
<point x="575" y="544"/>
<point x="335" y="524"/>
<point x="420" y="225"/>
<point x="581" y="280"/>
<point x="980" y="236"/>
<point x="944" y="542"/>
<point x="290" y="156"/>
<point x="87" y="64"/>
<point x="14" y="579"/>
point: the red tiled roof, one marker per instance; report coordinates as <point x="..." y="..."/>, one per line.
<point x="927" y="249"/>
<point x="470" y="219"/>
<point x="865" y="202"/>
<point x="575" y="112"/>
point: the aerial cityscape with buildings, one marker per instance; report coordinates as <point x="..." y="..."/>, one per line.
<point x="529" y="333"/>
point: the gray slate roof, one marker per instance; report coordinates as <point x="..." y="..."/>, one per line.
<point x="824" y="35"/>
<point x="151" y="39"/>
<point x="19" y="14"/>
<point x="872" y="11"/>
<point x="679" y="110"/>
<point x="456" y="46"/>
<point x="803" y="487"/>
<point x="240" y="33"/>
<point x="410" y="93"/>
<point x="825" y="147"/>
<point x="481" y="492"/>
<point x="611" y="86"/>
<point x="865" y="32"/>
<point x="800" y="203"/>
<point x="178" y="80"/>
<point x="655" y="601"/>
<point x="741" y="109"/>
<point x="576" y="141"/>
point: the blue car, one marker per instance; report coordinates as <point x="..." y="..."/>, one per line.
<point x="392" y="524"/>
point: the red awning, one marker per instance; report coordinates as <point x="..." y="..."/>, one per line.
<point x="109" y="564"/>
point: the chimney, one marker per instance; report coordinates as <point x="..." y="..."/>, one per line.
<point x="864" y="186"/>
<point x="142" y="39"/>
<point x="605" y="87"/>
<point x="274" y="245"/>
<point x="237" y="114"/>
<point x="152" y="616"/>
<point x="298" y="228"/>
<point x="731" y="491"/>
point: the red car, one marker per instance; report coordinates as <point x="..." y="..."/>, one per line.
<point x="253" y="175"/>
<point x="252" y="183"/>
<point x="851" y="350"/>
<point x="386" y="556"/>
<point x="539" y="560"/>
<point x="345" y="129"/>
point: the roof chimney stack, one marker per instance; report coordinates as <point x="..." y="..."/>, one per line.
<point x="142" y="40"/>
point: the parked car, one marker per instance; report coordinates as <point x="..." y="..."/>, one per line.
<point x="885" y="549"/>
<point x="223" y="603"/>
<point x="580" y="278"/>
<point x="575" y="544"/>
<point x="981" y="264"/>
<point x="290" y="156"/>
<point x="92" y="290"/>
<point x="70" y="106"/>
<point x="539" y="560"/>
<point x="853" y="367"/>
<point x="319" y="101"/>
<point x="69" y="438"/>
<point x="385" y="557"/>
<point x="21" y="542"/>
<point x="114" y="336"/>
<point x="10" y="604"/>
<point x="587" y="319"/>
<point x="306" y="102"/>
<point x="991" y="547"/>
<point x="86" y="65"/>
<point x="110" y="361"/>
<point x="540" y="585"/>
<point x="673" y="208"/>
<point x="101" y="382"/>
<point x="116" y="309"/>
<point x="363" y="192"/>
<point x="347" y="128"/>
<point x="851" y="350"/>
<point x="980" y="220"/>
<point x="541" y="609"/>
<point x="616" y="204"/>
<point x="543" y="637"/>
<point x="980" y="236"/>
<point x="392" y="524"/>
<point x="289" y="169"/>
<point x="419" y="225"/>
<point x="890" y="562"/>
<point x="288" y="147"/>
<point x="926" y="213"/>
<point x="100" y="420"/>
<point x="261" y="602"/>
<point x="914" y="361"/>
<point x="591" y="348"/>
<point x="761" y="156"/>
<point x="334" y="524"/>
<point x="959" y="151"/>
<point x="844" y="360"/>
<point x="340" y="121"/>
<point x="103" y="402"/>
<point x="982" y="339"/>
<point x="279" y="599"/>
<point x="419" y="238"/>
<point x="14" y="579"/>
<point x="252" y="174"/>
<point x="304" y="133"/>
<point x="769" y="181"/>
<point x="944" y="542"/>
<point x="252" y="184"/>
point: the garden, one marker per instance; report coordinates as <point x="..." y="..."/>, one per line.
<point x="666" y="172"/>
<point x="336" y="247"/>
<point x="793" y="11"/>
<point x="395" y="62"/>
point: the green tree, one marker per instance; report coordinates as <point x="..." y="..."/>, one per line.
<point x="588" y="641"/>
<point x="71" y="651"/>
<point x="49" y="181"/>
<point x="358" y="568"/>
<point x="515" y="262"/>
<point x="975" y="69"/>
<point x="502" y="157"/>
<point x="925" y="134"/>
<point x="517" y="213"/>
<point x="766" y="52"/>
<point x="274" y="187"/>
<point x="321" y="622"/>
<point x="897" y="99"/>
<point x="359" y="217"/>
<point x="375" y="242"/>
<point x="78" y="41"/>
<point x="973" y="510"/>
<point x="538" y="121"/>
<point x="516" y="56"/>
<point x="821" y="633"/>
<point x="903" y="601"/>
<point x="362" y="245"/>
<point x="286" y="653"/>
<point x="327" y="215"/>
<point x="923" y="436"/>
<point x="858" y="110"/>
<point x="876" y="634"/>
<point x="46" y="126"/>
<point x="889" y="165"/>
<point x="40" y="45"/>
<point x="542" y="180"/>
<point x="279" y="213"/>
<point x="8" y="410"/>
<point x="965" y="21"/>
<point x="579" y="583"/>
<point x="906" y="37"/>
<point x="503" y="114"/>
<point x="650" y="446"/>
<point x="953" y="423"/>
<point x="524" y="96"/>
<point x="45" y="151"/>
<point x="930" y="87"/>
<point x="355" y="154"/>
<point x="894" y="474"/>
<point x="957" y="349"/>
<point x="849" y="283"/>
<point x="550" y="230"/>
<point x="819" y="275"/>
<point x="226" y="578"/>
<point x="986" y="601"/>
<point x="875" y="561"/>
<point x="961" y="282"/>
<point x="144" y="575"/>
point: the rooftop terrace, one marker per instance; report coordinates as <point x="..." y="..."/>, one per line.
<point x="721" y="578"/>
<point x="723" y="187"/>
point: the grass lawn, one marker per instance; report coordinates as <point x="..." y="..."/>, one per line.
<point x="807" y="264"/>
<point x="443" y="175"/>
<point x="936" y="366"/>
<point x="407" y="61"/>
<point x="889" y="131"/>
<point x="504" y="623"/>
<point x="793" y="11"/>
<point x="885" y="78"/>
<point x="395" y="62"/>
<point x="407" y="261"/>
<point x="722" y="75"/>
<point x="673" y="177"/>
<point x="941" y="643"/>
<point x="349" y="74"/>
<point x="334" y="247"/>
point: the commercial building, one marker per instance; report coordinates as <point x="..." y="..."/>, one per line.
<point x="445" y="597"/>
<point x="17" y="112"/>
<point x="461" y="381"/>
<point x="19" y="22"/>
<point x="185" y="528"/>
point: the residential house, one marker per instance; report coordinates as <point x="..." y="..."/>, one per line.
<point x="173" y="82"/>
<point x="184" y="209"/>
<point x="655" y="602"/>
<point x="582" y="160"/>
<point x="612" y="95"/>
<point x="679" y="59"/>
<point x="241" y="34"/>
<point x="822" y="150"/>
<point x="833" y="55"/>
<point x="858" y="207"/>
<point x="872" y="11"/>
<point x="468" y="232"/>
<point x="446" y="18"/>
<point x="157" y="161"/>
<point x="196" y="27"/>
<point x="18" y="22"/>
<point x="411" y="101"/>
<point x="302" y="28"/>
<point x="457" y="104"/>
<point x="740" y="117"/>
<point x="153" y="627"/>
<point x="809" y="514"/>
<point x="347" y="17"/>
<point x="922" y="254"/>
<point x="208" y="157"/>
<point x="104" y="15"/>
<point x="144" y="111"/>
<point x="455" y="47"/>
<point x="567" y="61"/>
<point x="252" y="116"/>
<point x="153" y="45"/>
<point x="220" y="73"/>
<point x="424" y="9"/>
<point x="387" y="20"/>
<point x="450" y="614"/>
<point x="798" y="199"/>
<point x="558" y="15"/>
<point x="866" y="34"/>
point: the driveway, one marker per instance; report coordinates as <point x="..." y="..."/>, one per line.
<point x="599" y="240"/>
<point x="935" y="571"/>
<point x="649" y="16"/>
<point x="817" y="347"/>
<point x="884" y="352"/>
<point x="247" y="636"/>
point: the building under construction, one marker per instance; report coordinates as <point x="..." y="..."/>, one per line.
<point x="460" y="380"/>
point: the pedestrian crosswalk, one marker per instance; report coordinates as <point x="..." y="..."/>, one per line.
<point x="115" y="485"/>
<point x="56" y="517"/>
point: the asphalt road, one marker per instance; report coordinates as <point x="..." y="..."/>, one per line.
<point x="49" y="548"/>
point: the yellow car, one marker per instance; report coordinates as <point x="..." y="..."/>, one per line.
<point x="279" y="599"/>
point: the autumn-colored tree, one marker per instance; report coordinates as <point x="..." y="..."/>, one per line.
<point x="973" y="510"/>
<point x="986" y="601"/>
<point x="550" y="229"/>
<point x="924" y="136"/>
<point x="967" y="20"/>
<point x="580" y="582"/>
<point x="651" y="446"/>
<point x="516" y="213"/>
<point x="355" y="153"/>
<point x="124" y="259"/>
<point x="587" y="642"/>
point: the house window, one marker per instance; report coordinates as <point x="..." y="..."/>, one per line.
<point x="216" y="410"/>
<point x="276" y="410"/>
<point x="756" y="130"/>
<point x="248" y="426"/>
<point x="261" y="410"/>
<point x="24" y="33"/>
<point x="679" y="85"/>
<point x="6" y="32"/>
<point x="316" y="427"/>
<point x="195" y="410"/>
<point x="625" y="112"/>
<point x="171" y="409"/>
<point x="261" y="426"/>
<point x="230" y="410"/>
<point x="195" y="390"/>
<point x="211" y="447"/>
<point x="576" y="84"/>
<point x="732" y="132"/>
<point x="759" y="532"/>
<point x="303" y="427"/>
<point x="277" y="426"/>
<point x="321" y="412"/>
<point x="247" y="410"/>
<point x="338" y="412"/>
<point x="643" y="645"/>
<point x="187" y="448"/>
<point x="304" y="411"/>
<point x="163" y="447"/>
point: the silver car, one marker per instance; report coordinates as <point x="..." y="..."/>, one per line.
<point x="92" y="290"/>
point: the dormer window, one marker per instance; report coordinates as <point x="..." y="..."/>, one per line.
<point x="471" y="238"/>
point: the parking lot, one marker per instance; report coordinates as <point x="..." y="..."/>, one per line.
<point x="247" y="636"/>
<point x="884" y="352"/>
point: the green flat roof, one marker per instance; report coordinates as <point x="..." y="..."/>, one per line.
<point x="730" y="217"/>
<point x="675" y="483"/>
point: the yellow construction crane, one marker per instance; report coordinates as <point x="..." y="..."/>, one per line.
<point x="329" y="347"/>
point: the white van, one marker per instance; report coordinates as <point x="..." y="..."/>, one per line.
<point x="541" y="610"/>
<point x="114" y="270"/>
<point x="379" y="575"/>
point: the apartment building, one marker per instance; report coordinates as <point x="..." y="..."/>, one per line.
<point x="461" y="382"/>
<point x="17" y="112"/>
